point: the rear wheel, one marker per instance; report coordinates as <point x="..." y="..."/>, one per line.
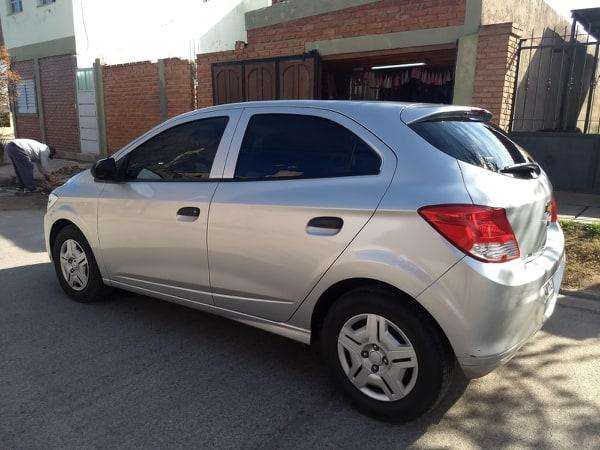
<point x="388" y="357"/>
<point x="76" y="266"/>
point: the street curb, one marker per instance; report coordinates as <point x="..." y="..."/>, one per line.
<point x="587" y="295"/>
<point x="579" y="303"/>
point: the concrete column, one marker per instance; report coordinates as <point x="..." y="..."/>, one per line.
<point x="162" y="90"/>
<point x="464" y="76"/>
<point x="100" y="114"/>
<point x="38" y="97"/>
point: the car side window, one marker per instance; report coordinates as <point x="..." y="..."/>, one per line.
<point x="182" y="153"/>
<point x="287" y="146"/>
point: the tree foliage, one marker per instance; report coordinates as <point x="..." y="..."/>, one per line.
<point x="8" y="79"/>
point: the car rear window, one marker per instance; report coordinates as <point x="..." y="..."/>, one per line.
<point x="473" y="142"/>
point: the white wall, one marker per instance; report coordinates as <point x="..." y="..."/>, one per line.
<point x="36" y="24"/>
<point x="119" y="31"/>
<point x="230" y="28"/>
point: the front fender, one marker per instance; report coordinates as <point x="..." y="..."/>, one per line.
<point x="78" y="204"/>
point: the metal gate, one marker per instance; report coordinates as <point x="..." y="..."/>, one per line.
<point x="555" y="84"/>
<point x="282" y="78"/>
<point x="88" y="116"/>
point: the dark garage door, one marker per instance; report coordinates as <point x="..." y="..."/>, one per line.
<point x="285" y="78"/>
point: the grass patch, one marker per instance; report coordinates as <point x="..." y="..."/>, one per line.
<point x="582" y="243"/>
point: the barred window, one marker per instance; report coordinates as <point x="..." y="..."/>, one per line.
<point x="26" y="102"/>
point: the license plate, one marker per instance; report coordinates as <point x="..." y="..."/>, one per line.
<point x="548" y="289"/>
<point x="549" y="298"/>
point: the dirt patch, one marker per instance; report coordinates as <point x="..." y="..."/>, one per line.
<point x="583" y="257"/>
<point x="11" y="202"/>
<point x="59" y="177"/>
<point x="11" y="199"/>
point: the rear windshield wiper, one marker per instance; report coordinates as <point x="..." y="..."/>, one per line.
<point x="522" y="168"/>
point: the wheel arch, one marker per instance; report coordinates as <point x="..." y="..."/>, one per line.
<point x="338" y="289"/>
<point x="61" y="224"/>
<point x="57" y="227"/>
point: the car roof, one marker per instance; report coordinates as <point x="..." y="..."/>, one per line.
<point x="409" y="112"/>
<point x="384" y="119"/>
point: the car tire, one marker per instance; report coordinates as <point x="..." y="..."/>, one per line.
<point x="93" y="289"/>
<point x="416" y="390"/>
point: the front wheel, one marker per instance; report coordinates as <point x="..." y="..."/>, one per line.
<point x="386" y="354"/>
<point x="76" y="266"/>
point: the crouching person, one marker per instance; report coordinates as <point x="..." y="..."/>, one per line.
<point x="24" y="153"/>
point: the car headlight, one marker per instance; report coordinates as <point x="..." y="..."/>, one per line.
<point x="51" y="200"/>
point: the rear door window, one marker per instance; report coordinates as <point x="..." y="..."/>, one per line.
<point x="288" y="146"/>
<point x="473" y="142"/>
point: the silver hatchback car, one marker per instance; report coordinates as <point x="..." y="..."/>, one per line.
<point x="403" y="241"/>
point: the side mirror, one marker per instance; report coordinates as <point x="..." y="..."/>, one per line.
<point x="105" y="170"/>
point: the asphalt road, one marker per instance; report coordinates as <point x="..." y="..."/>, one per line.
<point x="134" y="371"/>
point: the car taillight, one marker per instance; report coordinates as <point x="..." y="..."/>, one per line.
<point x="482" y="232"/>
<point x="553" y="211"/>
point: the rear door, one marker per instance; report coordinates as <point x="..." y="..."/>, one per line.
<point x="483" y="152"/>
<point x="299" y="185"/>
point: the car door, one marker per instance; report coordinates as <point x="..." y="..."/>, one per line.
<point x="299" y="184"/>
<point x="152" y="225"/>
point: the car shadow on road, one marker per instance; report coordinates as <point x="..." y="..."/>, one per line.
<point x="23" y="228"/>
<point x="135" y="371"/>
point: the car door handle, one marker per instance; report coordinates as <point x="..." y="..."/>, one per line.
<point x="324" y="226"/>
<point x="188" y="214"/>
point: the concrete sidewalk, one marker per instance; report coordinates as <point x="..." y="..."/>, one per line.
<point x="583" y="208"/>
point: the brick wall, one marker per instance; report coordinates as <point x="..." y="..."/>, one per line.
<point x="26" y="125"/>
<point x="132" y="102"/>
<point x="59" y="99"/>
<point x="179" y="87"/>
<point x="59" y="103"/>
<point x="495" y="70"/>
<point x="289" y="38"/>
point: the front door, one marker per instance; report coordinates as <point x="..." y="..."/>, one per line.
<point x="304" y="184"/>
<point x="152" y="226"/>
<point x="86" y="109"/>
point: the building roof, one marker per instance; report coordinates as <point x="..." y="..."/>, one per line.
<point x="589" y="18"/>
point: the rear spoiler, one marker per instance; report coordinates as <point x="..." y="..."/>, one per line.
<point x="426" y="113"/>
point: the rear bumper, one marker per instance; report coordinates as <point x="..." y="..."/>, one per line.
<point x="488" y="311"/>
<point x="530" y="322"/>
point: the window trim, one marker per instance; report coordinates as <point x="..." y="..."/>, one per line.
<point x="122" y="156"/>
<point x="42" y="3"/>
<point x="375" y="144"/>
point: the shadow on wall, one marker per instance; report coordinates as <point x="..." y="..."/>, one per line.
<point x="554" y="83"/>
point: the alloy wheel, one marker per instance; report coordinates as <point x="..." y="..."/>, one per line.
<point x="377" y="357"/>
<point x="74" y="265"/>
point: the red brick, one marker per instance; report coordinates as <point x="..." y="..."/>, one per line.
<point x="132" y="97"/>
<point x="289" y="38"/>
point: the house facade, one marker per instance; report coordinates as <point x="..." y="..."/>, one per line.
<point x="54" y="44"/>
<point x="81" y="93"/>
<point x="445" y="51"/>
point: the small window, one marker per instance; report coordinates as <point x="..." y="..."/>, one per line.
<point x="45" y="2"/>
<point x="473" y="142"/>
<point x="85" y="79"/>
<point x="26" y="102"/>
<point x="182" y="153"/>
<point x="284" y="146"/>
<point x="15" y="6"/>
